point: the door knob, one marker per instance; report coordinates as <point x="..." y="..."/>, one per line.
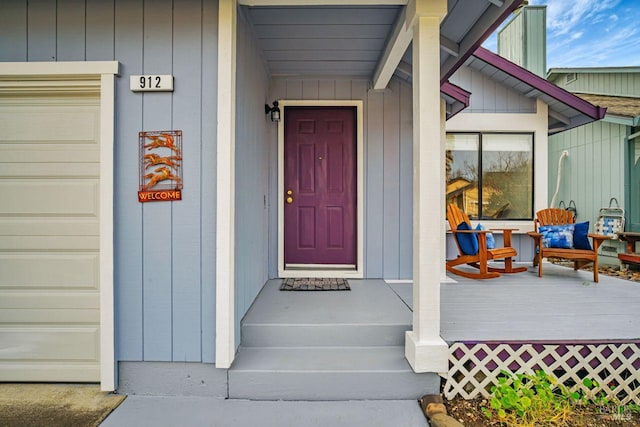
<point x="289" y="200"/>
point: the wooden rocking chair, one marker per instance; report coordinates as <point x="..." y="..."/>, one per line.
<point x="479" y="260"/>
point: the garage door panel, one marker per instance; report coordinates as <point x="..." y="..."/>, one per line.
<point x="49" y="299"/>
<point x="49" y="123"/>
<point x="50" y="227"/>
<point x="27" y="316"/>
<point x="63" y="271"/>
<point x="54" y="243"/>
<point x="49" y="371"/>
<point x="49" y="343"/>
<point x="53" y="197"/>
<point x="49" y="170"/>
<point x="85" y="152"/>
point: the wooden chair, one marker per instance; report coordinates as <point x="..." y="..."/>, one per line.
<point x="580" y="257"/>
<point x="455" y="217"/>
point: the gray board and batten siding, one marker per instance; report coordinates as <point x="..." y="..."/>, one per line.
<point x="489" y="96"/>
<point x="255" y="134"/>
<point x="164" y="252"/>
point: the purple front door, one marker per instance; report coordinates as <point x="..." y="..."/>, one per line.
<point x="320" y="185"/>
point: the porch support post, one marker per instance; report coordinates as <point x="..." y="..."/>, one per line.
<point x="443" y="201"/>
<point x="225" y="183"/>
<point x="425" y="350"/>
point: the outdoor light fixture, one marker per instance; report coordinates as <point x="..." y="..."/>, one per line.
<point x="275" y="111"/>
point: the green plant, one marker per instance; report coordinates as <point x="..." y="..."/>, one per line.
<point x="529" y="400"/>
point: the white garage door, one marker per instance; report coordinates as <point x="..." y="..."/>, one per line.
<point x="49" y="237"/>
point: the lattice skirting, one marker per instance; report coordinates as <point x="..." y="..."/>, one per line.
<point x="474" y="367"/>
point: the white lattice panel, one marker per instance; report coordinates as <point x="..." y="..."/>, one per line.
<point x="475" y="367"/>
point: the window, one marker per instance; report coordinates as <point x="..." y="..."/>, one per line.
<point x="490" y="175"/>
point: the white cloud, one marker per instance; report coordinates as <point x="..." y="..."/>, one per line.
<point x="576" y="35"/>
<point x="590" y="33"/>
<point x="619" y="49"/>
<point x="564" y="16"/>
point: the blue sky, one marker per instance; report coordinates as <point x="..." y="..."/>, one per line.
<point x="590" y="33"/>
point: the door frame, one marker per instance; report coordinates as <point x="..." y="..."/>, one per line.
<point x="99" y="77"/>
<point x="314" y="270"/>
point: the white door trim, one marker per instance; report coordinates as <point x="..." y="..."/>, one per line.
<point x="358" y="271"/>
<point x="97" y="75"/>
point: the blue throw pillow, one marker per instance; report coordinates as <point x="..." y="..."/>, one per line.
<point x="491" y="241"/>
<point x="468" y="241"/>
<point x="580" y="239"/>
<point x="557" y="236"/>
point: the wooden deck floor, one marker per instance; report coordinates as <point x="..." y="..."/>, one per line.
<point x="563" y="305"/>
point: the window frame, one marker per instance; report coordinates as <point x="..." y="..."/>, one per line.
<point x="480" y="135"/>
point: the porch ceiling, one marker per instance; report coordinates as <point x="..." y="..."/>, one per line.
<point x="322" y="40"/>
<point x="328" y="40"/>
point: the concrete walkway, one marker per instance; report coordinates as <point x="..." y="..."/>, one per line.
<point x="170" y="411"/>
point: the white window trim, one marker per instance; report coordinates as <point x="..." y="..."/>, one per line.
<point x="358" y="272"/>
<point x="103" y="73"/>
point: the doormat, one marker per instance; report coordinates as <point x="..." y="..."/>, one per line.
<point x="314" y="284"/>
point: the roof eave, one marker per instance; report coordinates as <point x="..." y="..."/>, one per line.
<point x="458" y="97"/>
<point x="467" y="49"/>
<point x="592" y="111"/>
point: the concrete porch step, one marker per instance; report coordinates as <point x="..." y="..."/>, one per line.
<point x="327" y="334"/>
<point x="326" y="373"/>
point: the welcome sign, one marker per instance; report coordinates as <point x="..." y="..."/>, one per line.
<point x="160" y="166"/>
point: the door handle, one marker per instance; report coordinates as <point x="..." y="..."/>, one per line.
<point x="289" y="199"/>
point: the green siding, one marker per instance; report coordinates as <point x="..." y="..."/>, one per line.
<point x="633" y="185"/>
<point x="511" y="40"/>
<point x="593" y="173"/>
<point x="523" y="40"/>
<point x="535" y="50"/>
<point x="614" y="84"/>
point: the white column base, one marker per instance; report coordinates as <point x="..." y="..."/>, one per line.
<point x="428" y="355"/>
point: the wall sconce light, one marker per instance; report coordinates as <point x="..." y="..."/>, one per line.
<point x="275" y="111"/>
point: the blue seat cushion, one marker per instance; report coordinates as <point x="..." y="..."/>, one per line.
<point x="491" y="241"/>
<point x="580" y="239"/>
<point x="557" y="236"/>
<point x="468" y="242"/>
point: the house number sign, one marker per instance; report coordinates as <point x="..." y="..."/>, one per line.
<point x="160" y="165"/>
<point x="151" y="83"/>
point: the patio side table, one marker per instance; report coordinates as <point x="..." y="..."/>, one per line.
<point x="630" y="256"/>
